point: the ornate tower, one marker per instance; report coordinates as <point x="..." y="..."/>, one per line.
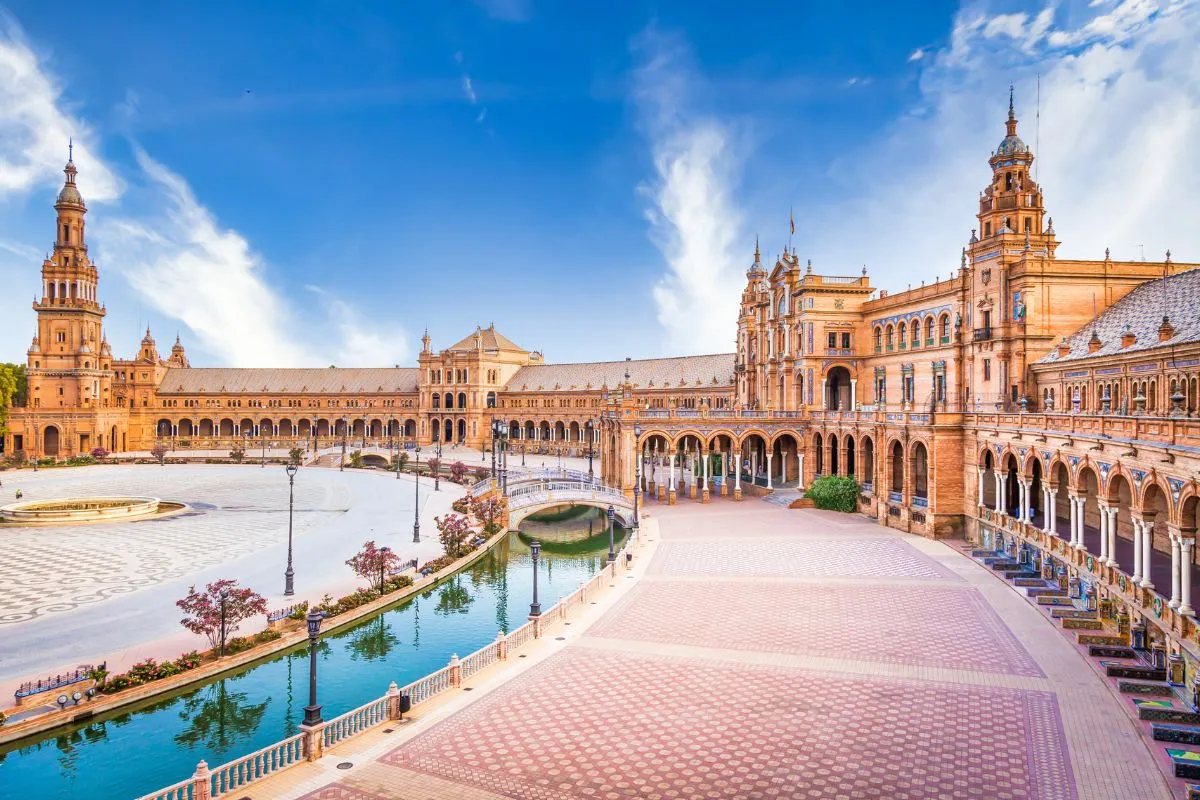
<point x="68" y="367"/>
<point x="1012" y="203"/>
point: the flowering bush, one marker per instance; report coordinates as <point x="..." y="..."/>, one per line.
<point x="453" y="531"/>
<point x="99" y="453"/>
<point x="159" y="451"/>
<point x="204" y="613"/>
<point x="481" y="473"/>
<point x="461" y="505"/>
<point x="458" y="470"/>
<point x="489" y="510"/>
<point x="374" y="563"/>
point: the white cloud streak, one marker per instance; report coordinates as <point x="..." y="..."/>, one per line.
<point x="35" y="126"/>
<point x="468" y="89"/>
<point x="1116" y="155"/>
<point x="693" y="214"/>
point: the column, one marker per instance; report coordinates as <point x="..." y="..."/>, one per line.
<point x="671" y="493"/>
<point x="1103" y="523"/>
<point x="1112" y="537"/>
<point x="1147" y="551"/>
<point x="1185" y="577"/>
<point x="853" y="393"/>
<point x="769" y="455"/>
<point x="1047" y="520"/>
<point x="1002" y="494"/>
<point x="737" y="476"/>
<point x="1074" y="521"/>
<point x="999" y="506"/>
<point x="824" y="403"/>
<point x="1023" y="500"/>
<point x="980" y="471"/>
<point x="1174" y="601"/>
<point x="783" y="467"/>
<point x="800" y="475"/>
<point x="1137" y="551"/>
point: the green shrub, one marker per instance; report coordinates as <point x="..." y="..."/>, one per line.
<point x="834" y="493"/>
<point x="266" y="636"/>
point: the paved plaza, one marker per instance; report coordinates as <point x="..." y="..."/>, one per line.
<point x="82" y="593"/>
<point x="759" y="653"/>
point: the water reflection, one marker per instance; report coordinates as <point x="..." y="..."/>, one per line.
<point x="218" y="720"/>
<point x="373" y="640"/>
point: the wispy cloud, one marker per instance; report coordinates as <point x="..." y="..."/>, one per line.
<point x="693" y="216"/>
<point x="916" y="55"/>
<point x="1120" y="115"/>
<point x="507" y="10"/>
<point x="482" y="115"/>
<point x="35" y="125"/>
<point x="162" y="240"/>
<point x="469" y="90"/>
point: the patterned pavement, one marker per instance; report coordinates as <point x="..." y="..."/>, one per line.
<point x="832" y="664"/>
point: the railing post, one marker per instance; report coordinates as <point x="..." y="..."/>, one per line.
<point x="537" y="626"/>
<point x="314" y="741"/>
<point x="201" y="786"/>
<point x="393" y="696"/>
<point x="455" y="671"/>
<point x="501" y="646"/>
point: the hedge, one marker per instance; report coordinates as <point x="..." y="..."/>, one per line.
<point x="834" y="492"/>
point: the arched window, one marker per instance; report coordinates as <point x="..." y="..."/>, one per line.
<point x="462" y="400"/>
<point x="889" y="336"/>
<point x="916" y="333"/>
<point x="929" y="332"/>
<point x="902" y="331"/>
<point x="878" y="339"/>
<point x="945" y="329"/>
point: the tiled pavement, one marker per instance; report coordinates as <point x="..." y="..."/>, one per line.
<point x="808" y="676"/>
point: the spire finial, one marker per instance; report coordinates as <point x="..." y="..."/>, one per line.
<point x="757" y="256"/>
<point x="71" y="149"/>
<point x="1011" y="112"/>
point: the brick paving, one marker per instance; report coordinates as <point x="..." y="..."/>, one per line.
<point x="811" y="675"/>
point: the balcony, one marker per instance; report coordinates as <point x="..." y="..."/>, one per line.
<point x="982" y="334"/>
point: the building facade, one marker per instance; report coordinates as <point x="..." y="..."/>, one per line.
<point x="1021" y="399"/>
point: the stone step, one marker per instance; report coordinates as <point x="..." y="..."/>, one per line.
<point x="1054" y="600"/>
<point x="1139" y="672"/>
<point x="1045" y="591"/>
<point x="1113" y="639"/>
<point x="1148" y="688"/>
<point x="1108" y="651"/>
<point x="992" y="561"/>
<point x="1011" y="566"/>
<point x="1073" y="613"/>
<point x="1174" y="716"/>
<point x="984" y="554"/>
<point x="1034" y="583"/>
<point x="1178" y="734"/>
<point x="1073" y="624"/>
<point x="1187" y="763"/>
<point x="1023" y="575"/>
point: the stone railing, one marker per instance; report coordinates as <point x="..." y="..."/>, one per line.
<point x="1138" y="427"/>
<point x="309" y="745"/>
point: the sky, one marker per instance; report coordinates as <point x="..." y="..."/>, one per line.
<point x="319" y="183"/>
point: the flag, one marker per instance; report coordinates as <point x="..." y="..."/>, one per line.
<point x="792" y="220"/>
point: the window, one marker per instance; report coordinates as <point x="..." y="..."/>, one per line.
<point x="946" y="329"/>
<point x="60" y="336"/>
<point x="66" y="234"/>
<point x="903" y="335"/>
<point x="929" y="332"/>
<point x="878" y="340"/>
<point x="845" y="341"/>
<point x="832" y="341"/>
<point x="987" y="369"/>
<point x="987" y="229"/>
<point x="916" y="334"/>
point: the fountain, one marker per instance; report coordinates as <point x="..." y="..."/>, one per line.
<point x="73" y="510"/>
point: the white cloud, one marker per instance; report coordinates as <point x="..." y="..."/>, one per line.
<point x="185" y="265"/>
<point x="35" y="126"/>
<point x="482" y="115"/>
<point x="916" y="55"/>
<point x="361" y="345"/>
<point x="21" y="250"/>
<point x="1120" y="115"/>
<point x="468" y="89"/>
<point x="693" y="218"/>
<point x="507" y="10"/>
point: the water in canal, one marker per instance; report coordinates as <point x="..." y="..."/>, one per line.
<point x="129" y="753"/>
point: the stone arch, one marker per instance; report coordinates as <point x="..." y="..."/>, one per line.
<point x="206" y="428"/>
<point x="448" y="430"/>
<point x="410" y="429"/>
<point x="867" y="446"/>
<point x="462" y="399"/>
<point x="226" y="427"/>
<point x="163" y="429"/>
<point x="834" y="456"/>
<point x="462" y="431"/>
<point x="920" y="468"/>
<point x="896" y="457"/>
<point x="51" y="440"/>
<point x="837" y="383"/>
<point x="186" y="427"/>
<point x="818" y="450"/>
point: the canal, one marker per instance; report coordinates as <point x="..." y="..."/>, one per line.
<point x="128" y="753"/>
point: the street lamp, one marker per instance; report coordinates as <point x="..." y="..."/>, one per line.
<point x="417" y="495"/>
<point x="224" y="598"/>
<point x="263" y="463"/>
<point x="591" y="427"/>
<point x="312" y="712"/>
<point x="437" y="472"/>
<point x="345" y="433"/>
<point x="288" y="574"/>
<point x="637" y="473"/>
<point x="494" y="434"/>
<point x="612" y="556"/>
<point x="383" y="555"/>
<point x="535" y="608"/>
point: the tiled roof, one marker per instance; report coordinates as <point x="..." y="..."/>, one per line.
<point x="491" y="341"/>
<point x="1141" y="311"/>
<point x="328" y="380"/>
<point x="645" y="373"/>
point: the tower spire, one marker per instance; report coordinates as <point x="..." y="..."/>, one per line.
<point x="70" y="149"/>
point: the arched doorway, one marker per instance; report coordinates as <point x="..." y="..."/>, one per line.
<point x="819" y="454"/>
<point x="897" y="485"/>
<point x="850" y="457"/>
<point x="868" y="463"/>
<point x="837" y="389"/>
<point x="920" y="468"/>
<point x="833" y="454"/>
<point x="449" y="428"/>
<point x="462" y="431"/>
<point x="50" y="441"/>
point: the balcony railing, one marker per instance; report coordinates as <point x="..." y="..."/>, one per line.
<point x="982" y="334"/>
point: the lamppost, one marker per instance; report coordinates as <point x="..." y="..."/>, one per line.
<point x="345" y="433"/>
<point x="494" y="434"/>
<point x="383" y="555"/>
<point x="522" y="452"/>
<point x="612" y="556"/>
<point x="591" y="427"/>
<point x="437" y="473"/>
<point x="637" y="473"/>
<point x="312" y="711"/>
<point x="288" y="589"/>
<point x="312" y="428"/>
<point x="224" y="598"/>
<point x="535" y="608"/>
<point x="503" y="441"/>
<point x="417" y="495"/>
<point x="263" y="463"/>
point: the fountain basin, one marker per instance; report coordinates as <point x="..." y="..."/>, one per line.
<point x="69" y="510"/>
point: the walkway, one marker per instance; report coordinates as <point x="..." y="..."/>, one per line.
<point x="760" y="653"/>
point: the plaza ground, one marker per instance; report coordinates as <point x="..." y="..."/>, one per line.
<point x="759" y="652"/>
<point x="86" y="593"/>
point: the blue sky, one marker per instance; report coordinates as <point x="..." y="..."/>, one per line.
<point x="318" y="182"/>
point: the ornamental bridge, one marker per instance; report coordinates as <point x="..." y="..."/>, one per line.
<point x="539" y="490"/>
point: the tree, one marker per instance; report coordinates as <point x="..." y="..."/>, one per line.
<point x="356" y="460"/>
<point x="489" y="510"/>
<point x="374" y="563"/>
<point x="13" y="389"/>
<point x="403" y="459"/>
<point x="99" y="453"/>
<point x="237" y="454"/>
<point x="453" y="532"/>
<point x="295" y="455"/>
<point x="457" y="471"/>
<point x="434" y="464"/>
<point x="159" y="451"/>
<point x="202" y="610"/>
